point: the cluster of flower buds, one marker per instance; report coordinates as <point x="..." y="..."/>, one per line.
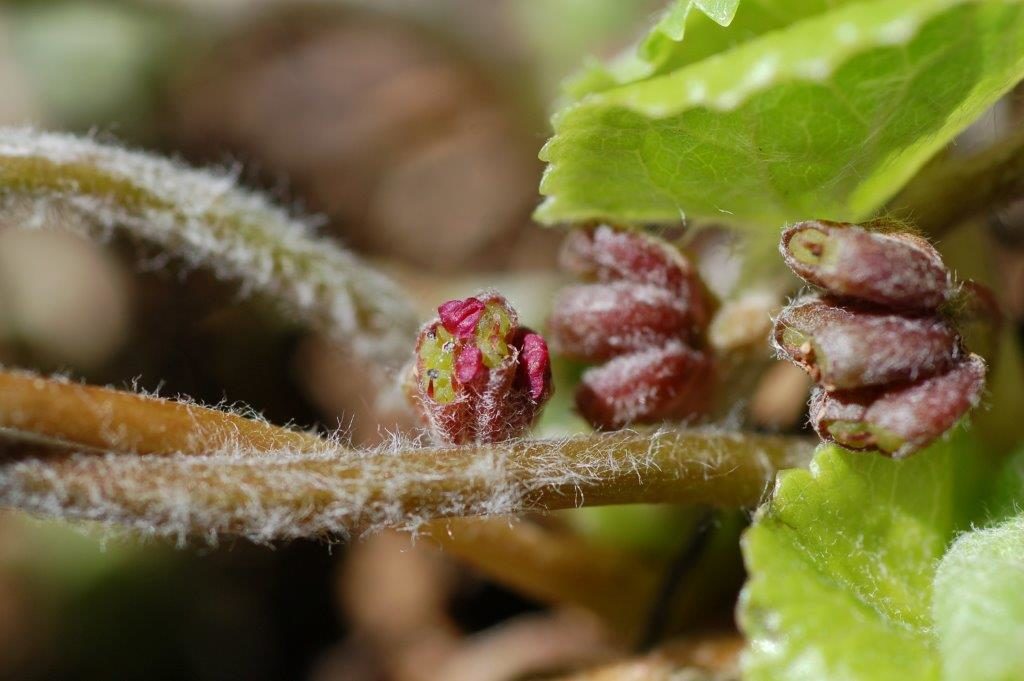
<point x="478" y="376"/>
<point x="644" y="314"/>
<point x="891" y="367"/>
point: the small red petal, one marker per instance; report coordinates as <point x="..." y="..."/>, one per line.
<point x="537" y="361"/>
<point x="459" y="317"/>
<point x="469" y="364"/>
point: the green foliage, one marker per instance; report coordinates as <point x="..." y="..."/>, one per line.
<point x="713" y="28"/>
<point x="846" y="558"/>
<point x="791" y="112"/>
<point x="979" y="604"/>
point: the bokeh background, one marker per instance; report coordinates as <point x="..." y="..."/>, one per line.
<point x="410" y="128"/>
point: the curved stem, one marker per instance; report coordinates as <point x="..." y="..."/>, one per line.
<point x="207" y="220"/>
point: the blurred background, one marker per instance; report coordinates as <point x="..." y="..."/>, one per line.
<point x="411" y="129"/>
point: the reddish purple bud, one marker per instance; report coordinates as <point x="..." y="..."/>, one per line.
<point x="469" y="364"/>
<point x="607" y="255"/>
<point x="856" y="346"/>
<point x="896" y="270"/>
<point x="477" y="376"/>
<point x="460" y="317"/>
<point x="535" y="363"/>
<point x="669" y="382"/>
<point x="899" y="419"/>
<point x="595" y="322"/>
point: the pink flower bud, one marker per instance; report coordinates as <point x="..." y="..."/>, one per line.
<point x="668" y="382"/>
<point x="478" y="376"/>
<point x="607" y="254"/>
<point x="899" y="419"/>
<point x="595" y="322"/>
<point x="643" y="313"/>
<point x="855" y="346"/>
<point x="890" y="362"/>
<point x="897" y="270"/>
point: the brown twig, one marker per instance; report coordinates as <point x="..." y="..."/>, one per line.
<point x="91" y="417"/>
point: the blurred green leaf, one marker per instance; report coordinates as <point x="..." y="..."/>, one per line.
<point x="827" y="116"/>
<point x="683" y="36"/>
<point x="979" y="604"/>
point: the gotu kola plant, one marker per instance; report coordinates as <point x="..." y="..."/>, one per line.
<point x="751" y="114"/>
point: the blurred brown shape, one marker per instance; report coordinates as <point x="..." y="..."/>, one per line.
<point x="528" y="645"/>
<point x="711" y="657"/>
<point x="395" y="590"/>
<point x="553" y="565"/>
<point x="781" y="397"/>
<point x="64" y="302"/>
<point x="406" y="147"/>
<point x="329" y="376"/>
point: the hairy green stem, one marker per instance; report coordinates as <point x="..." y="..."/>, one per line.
<point x="205" y="219"/>
<point x="287" y="495"/>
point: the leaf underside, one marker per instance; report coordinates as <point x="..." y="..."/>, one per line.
<point x="822" y="113"/>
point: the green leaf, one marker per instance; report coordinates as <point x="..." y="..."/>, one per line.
<point x="979" y="605"/>
<point x="843" y="560"/>
<point x="683" y="36"/>
<point x="827" y="116"/>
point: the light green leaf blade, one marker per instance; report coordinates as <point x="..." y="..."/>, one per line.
<point x="842" y="560"/>
<point x="683" y="36"/>
<point x="979" y="605"/>
<point x="826" y="117"/>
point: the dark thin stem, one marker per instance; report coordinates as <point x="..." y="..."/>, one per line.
<point x="683" y="563"/>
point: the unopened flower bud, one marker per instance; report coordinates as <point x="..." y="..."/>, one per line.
<point x="897" y="270"/>
<point x="651" y="385"/>
<point x="478" y="376"/>
<point x="645" y="313"/>
<point x="891" y="366"/>
<point x="854" y="346"/>
<point x="595" y="322"/>
<point x="902" y="418"/>
<point x="607" y="254"/>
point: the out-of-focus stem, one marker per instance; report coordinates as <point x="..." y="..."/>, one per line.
<point x="953" y="190"/>
<point x="710" y="657"/>
<point x="207" y="220"/>
<point x="556" y="566"/>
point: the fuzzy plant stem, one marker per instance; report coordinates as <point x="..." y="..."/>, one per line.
<point x="313" y="490"/>
<point x="205" y="219"/>
<point x="953" y="190"/>
<point x="89" y="417"/>
<point x="305" y="495"/>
